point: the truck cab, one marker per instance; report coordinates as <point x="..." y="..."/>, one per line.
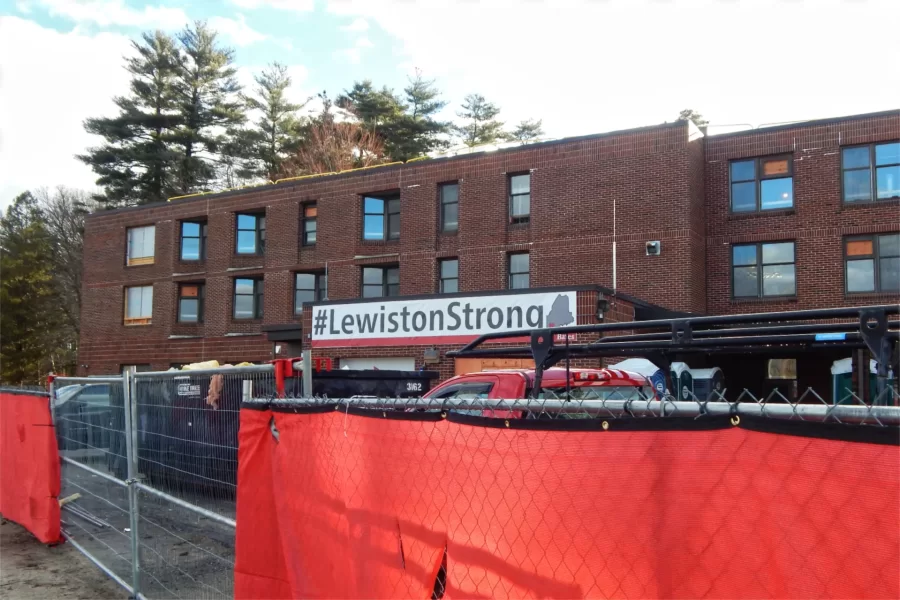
<point x="583" y="385"/>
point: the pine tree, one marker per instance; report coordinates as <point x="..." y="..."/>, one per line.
<point x="417" y="132"/>
<point x="696" y="118"/>
<point x="374" y="108"/>
<point x="527" y="131"/>
<point x="278" y="131"/>
<point x="480" y="125"/>
<point x="207" y="95"/>
<point x="29" y="318"/>
<point x="134" y="165"/>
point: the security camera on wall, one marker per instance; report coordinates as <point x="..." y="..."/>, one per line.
<point x="654" y="248"/>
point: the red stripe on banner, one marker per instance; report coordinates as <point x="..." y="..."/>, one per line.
<point x="429" y="340"/>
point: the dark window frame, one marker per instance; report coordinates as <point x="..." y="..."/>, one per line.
<point x="760" y="295"/>
<point x="876" y="262"/>
<point x="260" y="233"/>
<point x="518" y="220"/>
<point x="204" y="228"/>
<point x="258" y="296"/>
<point x="320" y="293"/>
<point x="306" y="220"/>
<point x="390" y="207"/>
<point x="201" y="300"/>
<point x="442" y="204"/>
<point x="385" y="286"/>
<point x="873" y="174"/>
<point x="442" y="279"/>
<point x="758" y="178"/>
<point x="510" y="274"/>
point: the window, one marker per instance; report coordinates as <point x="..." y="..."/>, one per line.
<point x="309" y="224"/>
<point x="251" y="234"/>
<point x="449" y="270"/>
<point x="859" y="178"/>
<point x="518" y="271"/>
<point x="309" y="287"/>
<point x="193" y="240"/>
<point x="139" y="305"/>
<point x="190" y="302"/>
<point x="762" y="270"/>
<point x="381" y="281"/>
<point x="762" y="184"/>
<point x="248" y="298"/>
<point x="449" y="207"/>
<point x="520" y="198"/>
<point x="872" y="263"/>
<point x="782" y="368"/>
<point x="381" y="218"/>
<point x="141" y="243"/>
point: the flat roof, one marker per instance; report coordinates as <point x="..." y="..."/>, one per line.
<point x="809" y="123"/>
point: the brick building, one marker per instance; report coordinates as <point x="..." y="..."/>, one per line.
<point x="788" y="217"/>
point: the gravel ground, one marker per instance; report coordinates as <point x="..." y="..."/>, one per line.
<point x="183" y="555"/>
<point x="31" y="570"/>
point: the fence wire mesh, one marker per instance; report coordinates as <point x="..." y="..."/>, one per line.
<point x="96" y="516"/>
<point x="183" y="554"/>
<point x="179" y="430"/>
<point x="187" y="425"/>
<point x="89" y="416"/>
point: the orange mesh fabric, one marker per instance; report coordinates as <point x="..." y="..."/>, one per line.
<point x="259" y="569"/>
<point x="29" y="465"/>
<point x="365" y="507"/>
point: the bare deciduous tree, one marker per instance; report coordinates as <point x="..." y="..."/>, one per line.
<point x="332" y="147"/>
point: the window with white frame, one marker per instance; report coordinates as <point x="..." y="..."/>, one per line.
<point x="141" y="245"/>
<point x="139" y="305"/>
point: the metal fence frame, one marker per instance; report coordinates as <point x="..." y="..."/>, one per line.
<point x="133" y="483"/>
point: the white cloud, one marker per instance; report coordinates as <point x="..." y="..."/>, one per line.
<point x="587" y="66"/>
<point x="357" y="25"/>
<point x="355" y="52"/>
<point x="288" y="5"/>
<point x="237" y="30"/>
<point x="48" y="91"/>
<point x="115" y="12"/>
<point x="23" y="7"/>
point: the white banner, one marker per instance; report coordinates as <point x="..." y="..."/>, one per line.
<point x="438" y="320"/>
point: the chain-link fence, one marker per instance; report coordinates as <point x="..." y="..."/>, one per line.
<point x="149" y="474"/>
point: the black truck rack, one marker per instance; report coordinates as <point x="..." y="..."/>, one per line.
<point x="660" y="340"/>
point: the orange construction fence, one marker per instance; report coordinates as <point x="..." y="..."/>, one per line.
<point x="29" y="464"/>
<point x="353" y="503"/>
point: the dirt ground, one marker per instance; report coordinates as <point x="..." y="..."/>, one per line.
<point x="31" y="570"/>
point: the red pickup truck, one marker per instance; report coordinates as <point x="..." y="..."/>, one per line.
<point x="584" y="384"/>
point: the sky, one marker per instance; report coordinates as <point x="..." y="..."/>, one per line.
<point x="582" y="67"/>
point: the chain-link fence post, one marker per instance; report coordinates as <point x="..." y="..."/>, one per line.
<point x="132" y="466"/>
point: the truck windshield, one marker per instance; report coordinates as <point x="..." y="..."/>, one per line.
<point x="598" y="392"/>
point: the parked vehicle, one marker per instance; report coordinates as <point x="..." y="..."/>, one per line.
<point x="83" y="415"/>
<point x="581" y="385"/>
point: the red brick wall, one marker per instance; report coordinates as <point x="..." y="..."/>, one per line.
<point x="818" y="222"/>
<point x="665" y="183"/>
<point x="574" y="184"/>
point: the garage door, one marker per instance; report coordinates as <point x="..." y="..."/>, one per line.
<point x="383" y="364"/>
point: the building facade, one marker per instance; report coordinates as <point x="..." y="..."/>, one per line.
<point x="660" y="218"/>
